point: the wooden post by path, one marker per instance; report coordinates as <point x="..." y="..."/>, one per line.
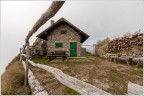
<point x="20" y="54"/>
<point x="27" y="67"/>
<point x="50" y="12"/>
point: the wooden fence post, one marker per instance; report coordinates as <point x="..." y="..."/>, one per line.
<point x="94" y="48"/>
<point x="53" y="9"/>
<point x="27" y="67"/>
<point x="20" y="54"/>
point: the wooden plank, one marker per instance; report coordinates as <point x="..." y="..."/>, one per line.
<point x="134" y="89"/>
<point x="27" y="66"/>
<point x="24" y="55"/>
<point x="34" y="84"/>
<point x="138" y="59"/>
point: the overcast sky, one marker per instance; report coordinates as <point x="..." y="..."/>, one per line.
<point x="99" y="19"/>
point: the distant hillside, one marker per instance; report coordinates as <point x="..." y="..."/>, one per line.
<point x="12" y="79"/>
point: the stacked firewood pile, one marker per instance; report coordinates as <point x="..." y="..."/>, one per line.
<point x="39" y="48"/>
<point x="125" y="43"/>
<point x="127" y="49"/>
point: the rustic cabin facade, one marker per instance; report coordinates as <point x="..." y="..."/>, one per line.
<point x="64" y="36"/>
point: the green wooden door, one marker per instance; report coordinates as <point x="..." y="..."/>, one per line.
<point x="73" y="48"/>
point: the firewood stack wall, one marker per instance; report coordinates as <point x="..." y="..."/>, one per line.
<point x="125" y="43"/>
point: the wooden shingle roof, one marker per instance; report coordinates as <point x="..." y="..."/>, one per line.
<point x="43" y="35"/>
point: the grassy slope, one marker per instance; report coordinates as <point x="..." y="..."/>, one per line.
<point x="99" y="72"/>
<point x="12" y="79"/>
<point x="102" y="73"/>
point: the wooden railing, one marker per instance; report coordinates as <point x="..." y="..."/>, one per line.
<point x="128" y="59"/>
<point x="82" y="87"/>
<point x="50" y="12"/>
<point x="134" y="89"/>
<point x="34" y="84"/>
<point x="71" y="82"/>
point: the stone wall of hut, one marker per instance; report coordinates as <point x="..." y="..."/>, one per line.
<point x="65" y="39"/>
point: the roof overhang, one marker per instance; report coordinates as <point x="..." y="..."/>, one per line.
<point x="46" y="32"/>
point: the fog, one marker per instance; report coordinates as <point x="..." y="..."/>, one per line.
<point x="99" y="19"/>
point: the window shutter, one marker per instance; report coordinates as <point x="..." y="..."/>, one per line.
<point x="63" y="32"/>
<point x="58" y="44"/>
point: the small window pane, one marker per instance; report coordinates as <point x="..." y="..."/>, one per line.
<point x="63" y="32"/>
<point x="57" y="45"/>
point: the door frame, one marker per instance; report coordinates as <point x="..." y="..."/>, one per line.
<point x="75" y="49"/>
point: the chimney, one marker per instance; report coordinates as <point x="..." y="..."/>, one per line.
<point x="52" y="22"/>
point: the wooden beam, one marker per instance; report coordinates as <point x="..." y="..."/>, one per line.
<point x="27" y="67"/>
<point x="50" y="12"/>
<point x="134" y="89"/>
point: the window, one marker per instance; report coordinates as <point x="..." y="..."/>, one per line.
<point x="58" y="44"/>
<point x="63" y="32"/>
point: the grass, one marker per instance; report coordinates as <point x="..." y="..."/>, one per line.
<point x="39" y="72"/>
<point x="16" y="58"/>
<point x="70" y="91"/>
<point x="119" y="79"/>
<point x="116" y="76"/>
<point x="41" y="60"/>
<point x="91" y="75"/>
<point x="88" y="53"/>
<point x="118" y="82"/>
<point x="50" y="83"/>
<point x="12" y="80"/>
<point x="118" y="88"/>
<point x="137" y="72"/>
<point x="69" y="62"/>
